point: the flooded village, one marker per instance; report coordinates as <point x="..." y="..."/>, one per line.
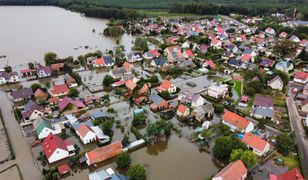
<point x="168" y="98"/>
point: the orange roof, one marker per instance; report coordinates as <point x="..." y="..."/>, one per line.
<point x="53" y="100"/>
<point x="233" y="171"/>
<point x="144" y="89"/>
<point x="99" y="61"/>
<point x="236" y="120"/>
<point x="165" y="85"/>
<point x="246" y="57"/>
<point x="105" y="152"/>
<point x="57" y="67"/>
<point x="40" y="93"/>
<point x="127" y="65"/>
<point x="254" y="141"/>
<point x="182" y="108"/>
<point x="83" y="130"/>
<point x="130" y="85"/>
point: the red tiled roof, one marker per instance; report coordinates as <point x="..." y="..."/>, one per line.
<point x="233" y="171"/>
<point x="52" y="143"/>
<point x="246" y="57"/>
<point x="254" y="141"/>
<point x="63" y="169"/>
<point x="130" y="85"/>
<point x="105" y="152"/>
<point x="182" y="108"/>
<point x="293" y="174"/>
<point x="59" y="89"/>
<point x="99" y="61"/>
<point x="66" y="101"/>
<point x="83" y="130"/>
<point x="144" y="89"/>
<point x="236" y="120"/>
<point x="301" y="75"/>
<point x="53" y="100"/>
<point x="165" y="85"/>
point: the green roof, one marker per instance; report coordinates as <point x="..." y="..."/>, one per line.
<point x="41" y="126"/>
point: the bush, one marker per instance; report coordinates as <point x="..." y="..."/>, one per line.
<point x="137" y="172"/>
<point x="123" y="160"/>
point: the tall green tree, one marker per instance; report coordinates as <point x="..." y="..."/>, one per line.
<point x="123" y="160"/>
<point x="50" y="58"/>
<point x="225" y="145"/>
<point x="108" y="80"/>
<point x="247" y="156"/>
<point x="285" y="48"/>
<point x="137" y="172"/>
<point x="285" y="143"/>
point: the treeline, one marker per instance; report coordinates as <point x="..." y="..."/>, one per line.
<point x="213" y="9"/>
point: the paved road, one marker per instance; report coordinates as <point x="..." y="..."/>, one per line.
<point x="22" y="150"/>
<point x="298" y="129"/>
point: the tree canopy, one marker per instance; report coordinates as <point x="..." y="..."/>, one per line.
<point x="225" y="145"/>
<point x="123" y="160"/>
<point x="247" y="156"/>
<point x="108" y="80"/>
<point x="50" y="58"/>
<point x="285" y="49"/>
<point x="137" y="172"/>
<point x="284" y="143"/>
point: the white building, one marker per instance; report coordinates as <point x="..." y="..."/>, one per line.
<point x="217" y="90"/>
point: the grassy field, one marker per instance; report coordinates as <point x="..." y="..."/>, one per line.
<point x="238" y="87"/>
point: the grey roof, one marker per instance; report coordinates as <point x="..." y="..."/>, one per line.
<point x="77" y="125"/>
<point x="263" y="101"/>
<point x="99" y="114"/>
<point x="160" y="61"/>
<point x="108" y="59"/>
<point x="156" y="99"/>
<point x="264" y="112"/>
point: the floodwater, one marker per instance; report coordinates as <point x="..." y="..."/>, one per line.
<point x="28" y="32"/>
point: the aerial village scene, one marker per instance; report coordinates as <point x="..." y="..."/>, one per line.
<point x="192" y="98"/>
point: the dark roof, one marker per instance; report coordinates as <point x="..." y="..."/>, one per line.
<point x="29" y="108"/>
<point x="22" y="93"/>
<point x="160" y="61"/>
<point x="7" y="76"/>
<point x="108" y="59"/>
<point x="235" y="62"/>
<point x="156" y="99"/>
<point x="263" y="101"/>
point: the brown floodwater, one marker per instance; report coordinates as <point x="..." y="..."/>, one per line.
<point x="27" y="32"/>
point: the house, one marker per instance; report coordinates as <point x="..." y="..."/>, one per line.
<point x="117" y="73"/>
<point x="266" y="63"/>
<point x="270" y="31"/>
<point x="70" y="81"/>
<point x="40" y="95"/>
<point x="284" y="66"/>
<point x="166" y="86"/>
<point x="209" y="64"/>
<point x="108" y="61"/>
<point x="216" y="43"/>
<point x="32" y="111"/>
<point x="234" y="171"/>
<point x="134" y="57"/>
<point x="128" y="66"/>
<point x="237" y="63"/>
<point x="103" y="153"/>
<point x="293" y="174"/>
<point x="244" y="101"/>
<point x="27" y="72"/>
<point x="59" y="90"/>
<point x="98" y="62"/>
<point x="159" y="62"/>
<point x="91" y="100"/>
<point x="57" y="67"/>
<point x="158" y="103"/>
<point x="301" y="77"/>
<point x="189" y="98"/>
<point x="263" y="107"/>
<point x="182" y="111"/>
<point x="63" y="169"/>
<point x="11" y="77"/>
<point x="55" y="148"/>
<point x="203" y="111"/>
<point x="43" y="128"/>
<point x="130" y="85"/>
<point x="217" y="90"/>
<point x="70" y="105"/>
<point x="283" y="35"/>
<point x="276" y="83"/>
<point x="22" y="94"/>
<point x="145" y="89"/>
<point x="150" y="54"/>
<point x="294" y="39"/>
<point x="43" y="71"/>
<point x="237" y="122"/>
<point x="88" y="133"/>
<point x="254" y="143"/>
<point x="99" y="115"/>
<point x="174" y="53"/>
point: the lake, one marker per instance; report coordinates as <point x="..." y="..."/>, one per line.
<point x="28" y="32"/>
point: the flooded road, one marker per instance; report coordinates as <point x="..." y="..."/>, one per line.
<point x="28" y="32"/>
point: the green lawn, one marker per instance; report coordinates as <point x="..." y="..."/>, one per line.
<point x="238" y="87"/>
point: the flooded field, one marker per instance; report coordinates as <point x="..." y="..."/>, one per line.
<point x="30" y="31"/>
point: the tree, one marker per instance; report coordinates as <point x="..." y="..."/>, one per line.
<point x="114" y="31"/>
<point x="125" y="140"/>
<point x="137" y="172"/>
<point x="284" y="143"/>
<point x="225" y="145"/>
<point x="31" y="65"/>
<point x="218" y="108"/>
<point x="35" y="86"/>
<point x="165" y="95"/>
<point x="123" y="160"/>
<point x="107" y="127"/>
<point x="154" y="79"/>
<point x="50" y="58"/>
<point x="8" y="69"/>
<point x="108" y="80"/>
<point x="141" y="44"/>
<point x="159" y="128"/>
<point x="73" y="93"/>
<point x="285" y="48"/>
<point x="247" y="156"/>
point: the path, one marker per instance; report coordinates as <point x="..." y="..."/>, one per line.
<point x="23" y="153"/>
